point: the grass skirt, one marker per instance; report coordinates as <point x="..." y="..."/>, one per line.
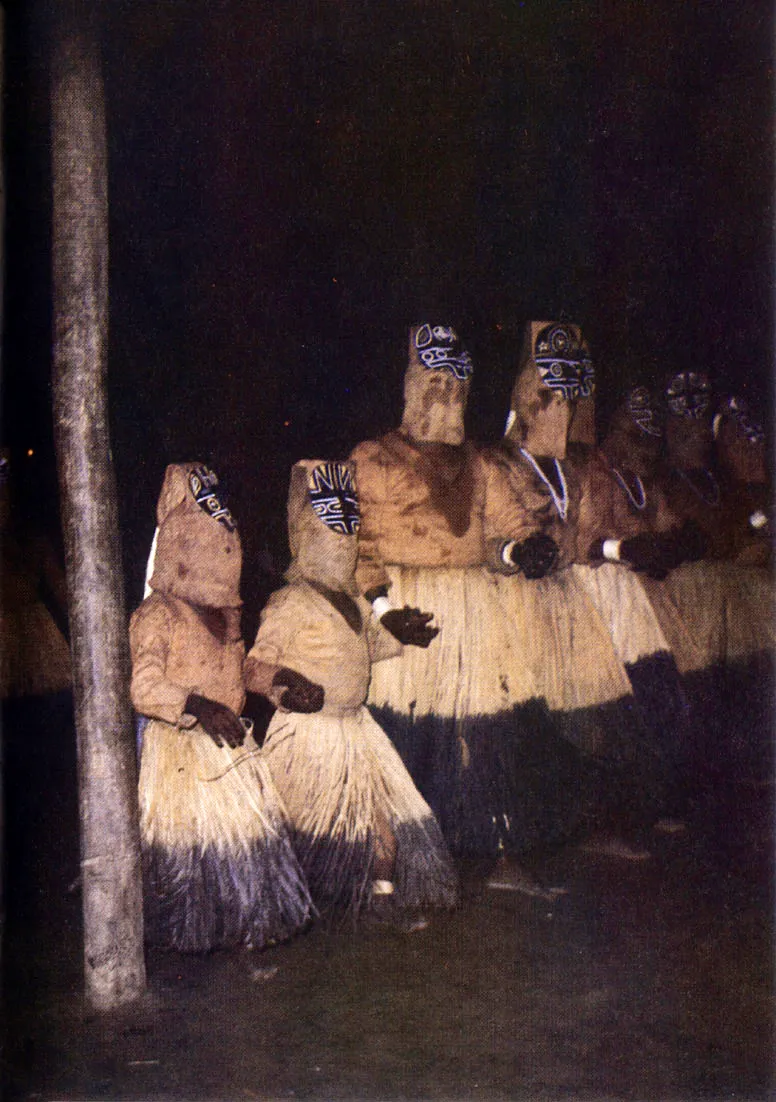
<point x="469" y="714"/>
<point x="219" y="867"/>
<point x="624" y="607"/>
<point x="344" y="785"/>
<point x="718" y="618"/>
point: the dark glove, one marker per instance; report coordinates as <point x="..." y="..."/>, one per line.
<point x="689" y="543"/>
<point x="650" y="554"/>
<point x="535" y="556"/>
<point x="410" y="626"/>
<point x="299" y="694"/>
<point x="220" y="722"/>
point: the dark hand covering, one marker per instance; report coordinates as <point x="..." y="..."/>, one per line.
<point x="690" y="542"/>
<point x="300" y="695"/>
<point x="535" y="556"/>
<point x="651" y="554"/>
<point x="410" y="626"/>
<point x="220" y="722"/>
<point x="656" y="554"/>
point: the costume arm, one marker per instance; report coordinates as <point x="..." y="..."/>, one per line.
<point x="513" y="513"/>
<point x="153" y="694"/>
<point x="265" y="669"/>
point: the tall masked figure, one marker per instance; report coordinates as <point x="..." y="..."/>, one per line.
<point x="548" y="451"/>
<point x="219" y="867"/>
<point x="439" y="523"/>
<point x="365" y="836"/>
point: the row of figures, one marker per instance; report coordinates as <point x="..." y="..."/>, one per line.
<point x="479" y="653"/>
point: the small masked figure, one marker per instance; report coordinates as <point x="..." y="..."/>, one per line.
<point x="219" y="867"/>
<point x="364" y="835"/>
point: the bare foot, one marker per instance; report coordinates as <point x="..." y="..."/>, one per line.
<point x="510" y="877"/>
<point x="611" y="845"/>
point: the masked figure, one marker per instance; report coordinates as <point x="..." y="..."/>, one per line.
<point x="549" y="442"/>
<point x="219" y="867"/>
<point x="364" y="835"/>
<point x="741" y="457"/>
<point x="439" y="524"/>
<point x="639" y="536"/>
<point x="717" y="613"/>
<point x="34" y="652"/>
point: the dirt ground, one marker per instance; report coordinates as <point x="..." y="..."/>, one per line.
<point x="648" y="980"/>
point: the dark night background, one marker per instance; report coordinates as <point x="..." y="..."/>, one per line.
<point x="292" y="185"/>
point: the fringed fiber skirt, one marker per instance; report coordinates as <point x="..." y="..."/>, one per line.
<point x="344" y="787"/>
<point x="640" y="644"/>
<point x="219" y="867"/>
<point x="469" y="714"/>
<point x="718" y="619"/>
<point x="590" y="696"/>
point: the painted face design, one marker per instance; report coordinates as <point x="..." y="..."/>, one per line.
<point x="644" y="412"/>
<point x="439" y="349"/>
<point x="334" y="499"/>
<point x="689" y="395"/>
<point x="204" y="487"/>
<point x="747" y="427"/>
<point x="563" y="362"/>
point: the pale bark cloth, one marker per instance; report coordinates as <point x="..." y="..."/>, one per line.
<point x="340" y="779"/>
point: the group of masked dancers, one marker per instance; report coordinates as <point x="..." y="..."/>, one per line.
<point x="480" y="652"/>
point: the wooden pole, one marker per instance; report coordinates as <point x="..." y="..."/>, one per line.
<point x="110" y="845"/>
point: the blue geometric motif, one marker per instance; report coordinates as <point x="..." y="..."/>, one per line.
<point x="439" y="350"/>
<point x="333" y="498"/>
<point x="689" y="394"/>
<point x="563" y="363"/>
<point x="203" y="484"/>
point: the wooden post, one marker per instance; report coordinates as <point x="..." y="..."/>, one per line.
<point x="110" y="846"/>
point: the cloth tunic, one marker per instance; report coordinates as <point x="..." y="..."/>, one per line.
<point x="341" y="780"/>
<point x="218" y="862"/>
<point x="565" y="638"/>
<point x="461" y="711"/>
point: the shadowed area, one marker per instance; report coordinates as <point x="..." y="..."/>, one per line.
<point x="647" y="980"/>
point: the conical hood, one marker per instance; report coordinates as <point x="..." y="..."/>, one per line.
<point x="634" y="439"/>
<point x="740" y="443"/>
<point x="555" y="373"/>
<point x="436" y="386"/>
<point x="198" y="551"/>
<point x="323" y="521"/>
<point x="689" y="436"/>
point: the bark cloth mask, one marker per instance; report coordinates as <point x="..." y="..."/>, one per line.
<point x="436" y="386"/>
<point x="198" y="554"/>
<point x="323" y="522"/>
<point x="553" y="396"/>
<point x="635" y="437"/>
<point x="740" y="442"/>
<point x="689" y="424"/>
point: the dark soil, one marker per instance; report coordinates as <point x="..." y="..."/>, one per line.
<point x="648" y="980"/>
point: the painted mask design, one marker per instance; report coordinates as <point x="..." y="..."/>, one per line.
<point x="210" y="496"/>
<point x="643" y="411"/>
<point x="689" y="395"/>
<point x="563" y="362"/>
<point x="747" y="427"/>
<point x="334" y="499"/>
<point x="439" y="349"/>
